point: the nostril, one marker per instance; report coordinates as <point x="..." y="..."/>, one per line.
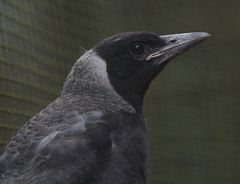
<point x="173" y="41"/>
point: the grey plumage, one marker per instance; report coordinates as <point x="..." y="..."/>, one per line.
<point x="53" y="146"/>
<point x="92" y="134"/>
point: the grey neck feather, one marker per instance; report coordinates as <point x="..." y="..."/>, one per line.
<point x="88" y="73"/>
<point x="89" y="77"/>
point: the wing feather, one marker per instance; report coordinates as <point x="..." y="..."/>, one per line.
<point x="57" y="147"/>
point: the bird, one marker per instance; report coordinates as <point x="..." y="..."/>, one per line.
<point x="95" y="131"/>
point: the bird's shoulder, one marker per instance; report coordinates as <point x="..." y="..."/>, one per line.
<point x="67" y="135"/>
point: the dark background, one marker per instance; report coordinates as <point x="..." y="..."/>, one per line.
<point x="193" y="106"/>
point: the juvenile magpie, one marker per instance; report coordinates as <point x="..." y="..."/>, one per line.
<point x="95" y="132"/>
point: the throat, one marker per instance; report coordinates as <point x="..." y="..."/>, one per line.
<point x="130" y="91"/>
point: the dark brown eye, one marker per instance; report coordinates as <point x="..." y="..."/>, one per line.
<point x="137" y="48"/>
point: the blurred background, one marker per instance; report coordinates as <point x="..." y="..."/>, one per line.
<point x="193" y="106"/>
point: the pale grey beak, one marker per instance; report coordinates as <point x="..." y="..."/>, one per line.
<point x="176" y="44"/>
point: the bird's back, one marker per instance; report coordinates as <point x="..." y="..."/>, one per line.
<point x="74" y="140"/>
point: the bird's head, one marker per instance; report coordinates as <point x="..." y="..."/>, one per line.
<point x="130" y="61"/>
<point x="134" y="59"/>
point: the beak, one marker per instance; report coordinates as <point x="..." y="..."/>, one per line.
<point x="176" y="44"/>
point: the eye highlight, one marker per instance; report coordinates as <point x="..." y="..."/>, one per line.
<point x="137" y="48"/>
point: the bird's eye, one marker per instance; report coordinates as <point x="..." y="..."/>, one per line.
<point x="137" y="48"/>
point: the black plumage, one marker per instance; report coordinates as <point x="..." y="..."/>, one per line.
<point x="95" y="132"/>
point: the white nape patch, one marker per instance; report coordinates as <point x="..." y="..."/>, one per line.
<point x="96" y="72"/>
<point x="95" y="68"/>
<point x="90" y="70"/>
<point x="46" y="140"/>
